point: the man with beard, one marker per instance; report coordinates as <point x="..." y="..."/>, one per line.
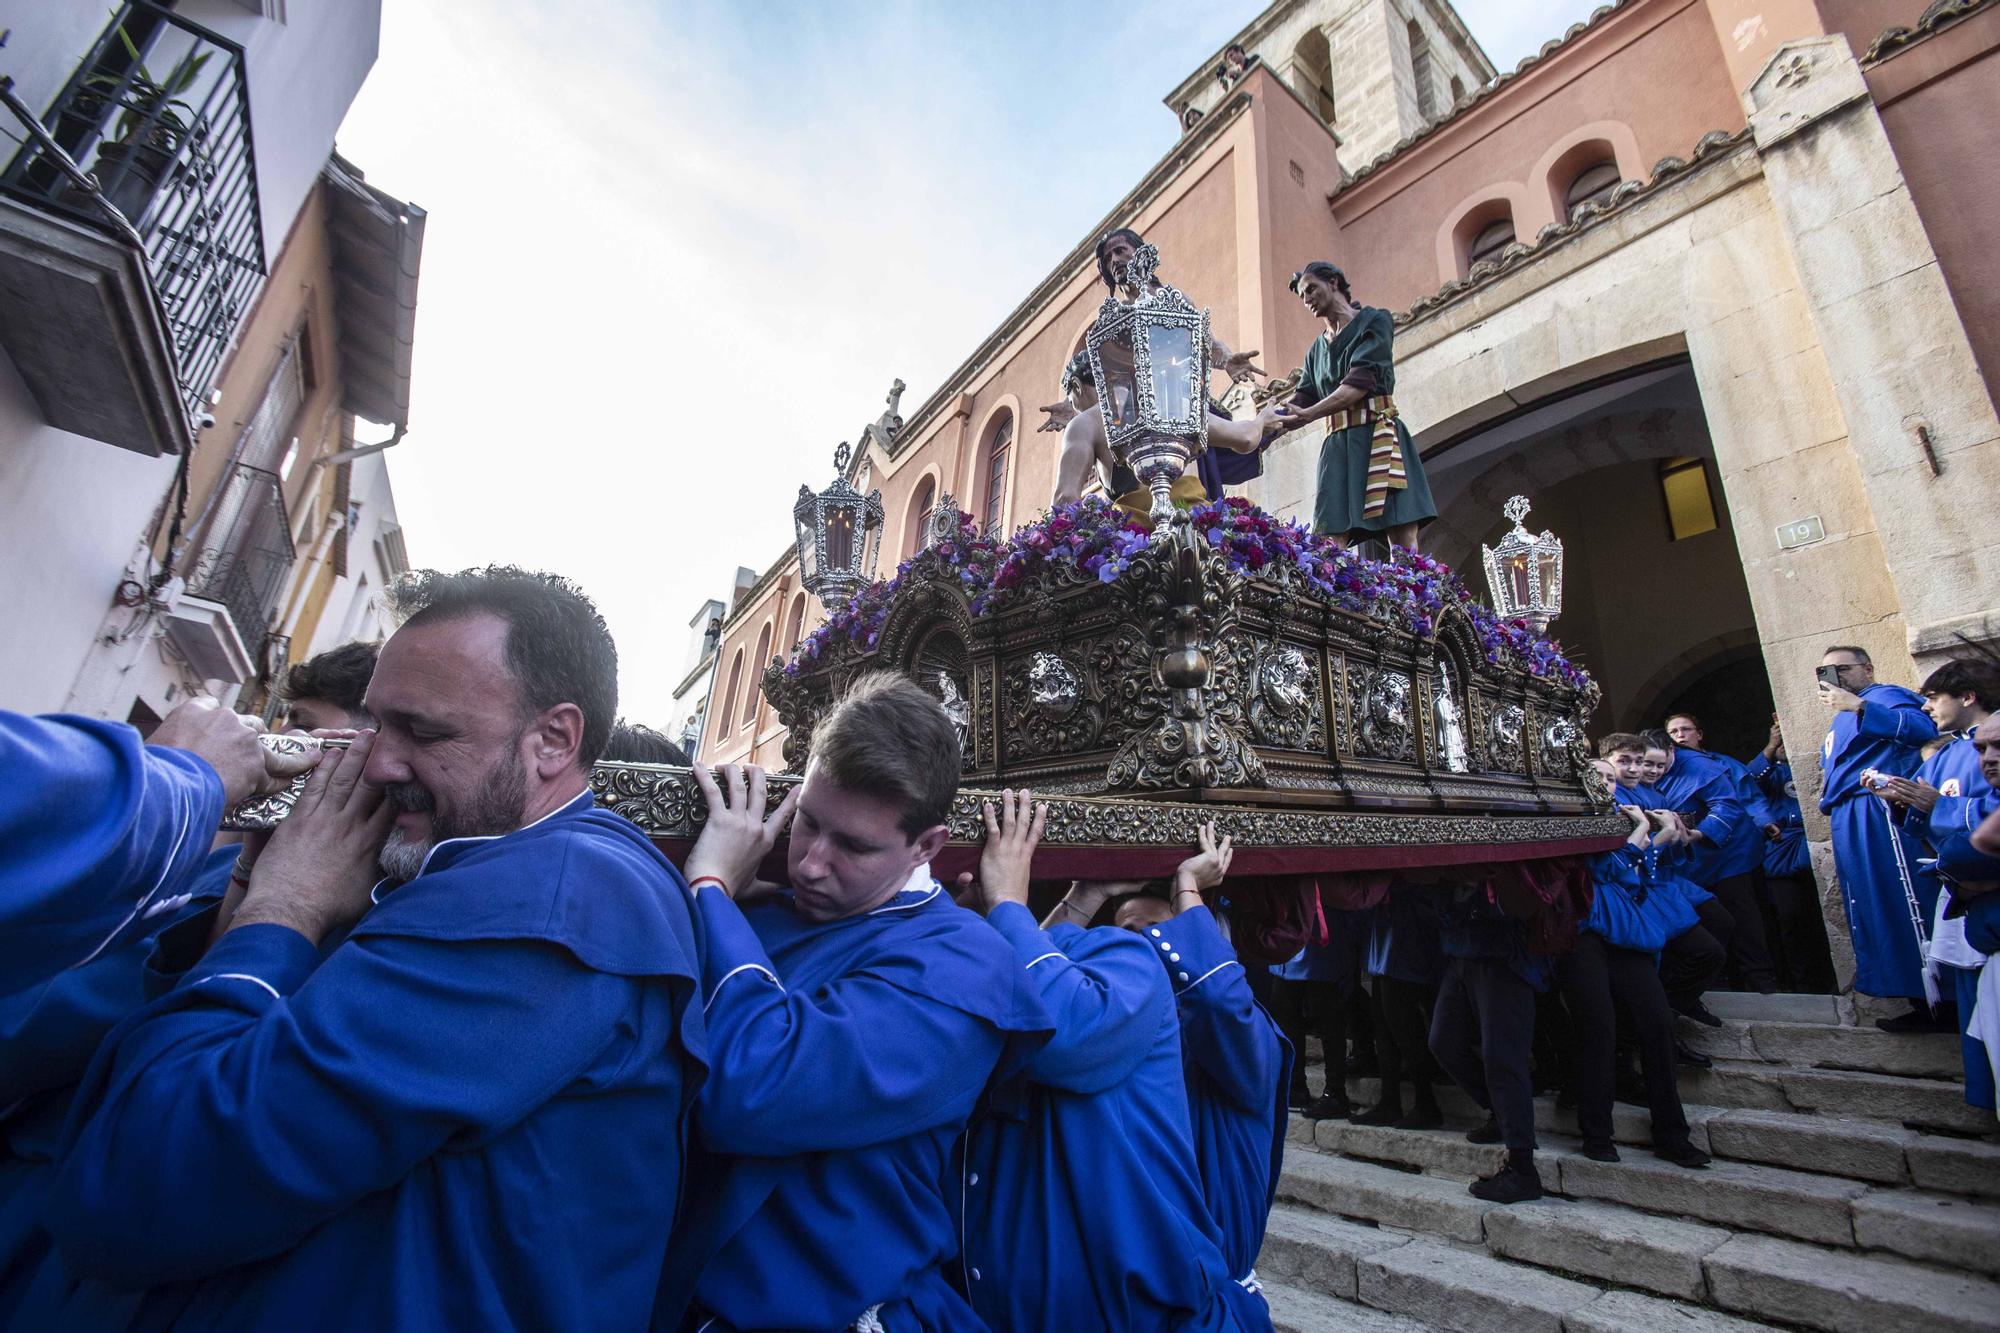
<point x="853" y="1017"/>
<point x="454" y="1100"/>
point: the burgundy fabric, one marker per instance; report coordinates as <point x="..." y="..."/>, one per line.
<point x="1362" y="378"/>
<point x="1272" y="918"/>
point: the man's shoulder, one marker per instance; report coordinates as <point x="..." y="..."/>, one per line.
<point x="1900" y="695"/>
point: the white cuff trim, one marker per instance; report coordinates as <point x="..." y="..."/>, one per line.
<point x="1053" y="953"/>
<point x="242" y="976"/>
<point x="1206" y="975"/>
<point x="716" y="990"/>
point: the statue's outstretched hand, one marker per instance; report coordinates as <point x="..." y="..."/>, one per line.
<point x="1059" y="416"/>
<point x="1242" y="365"/>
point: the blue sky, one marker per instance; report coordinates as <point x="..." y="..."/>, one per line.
<point x="676" y="252"/>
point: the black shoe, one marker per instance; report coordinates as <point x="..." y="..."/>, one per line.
<point x="1919" y="1019"/>
<point x="1489" y="1132"/>
<point x="1511" y="1184"/>
<point x="1700" y="1014"/>
<point x="1682" y="1154"/>
<point x="1381" y="1113"/>
<point x="1328" y="1106"/>
<point x="1694" y="1059"/>
<point x="1600" y="1150"/>
<point x="1423" y="1117"/>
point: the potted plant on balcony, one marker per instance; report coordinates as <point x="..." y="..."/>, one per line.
<point x="140" y="154"/>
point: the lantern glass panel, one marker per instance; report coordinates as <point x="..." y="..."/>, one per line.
<point x="1121" y="380"/>
<point x="840" y="539"/>
<point x="1549" y="570"/>
<point x="808" y="550"/>
<point x="1515" y="569"/>
<point x="1170" y="348"/>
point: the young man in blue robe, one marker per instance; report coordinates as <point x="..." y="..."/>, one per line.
<point x="1724" y="812"/>
<point x="1080" y="1190"/>
<point x="1969" y="862"/>
<point x="1804" y="963"/>
<point x="1236" y="1062"/>
<point x="853" y="1018"/>
<point x="454" y="1099"/>
<point x="1941" y="799"/>
<point x="106" y="844"/>
<point x="1878" y="732"/>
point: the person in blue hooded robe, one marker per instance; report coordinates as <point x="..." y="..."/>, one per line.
<point x="1079" y="1187"/>
<point x="1878" y="732"/>
<point x="853" y="1019"/>
<point x="455" y="1099"/>
<point x="106" y="844"/>
<point x="1804" y="962"/>
<point x="1724" y="809"/>
<point x="1235" y="1060"/>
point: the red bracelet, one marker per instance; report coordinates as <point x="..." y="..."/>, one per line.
<point x="716" y="880"/>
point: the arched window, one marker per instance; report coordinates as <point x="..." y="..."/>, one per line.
<point x="920" y="516"/>
<point x="1190" y="117"/>
<point x="755" y="695"/>
<point x="1420" y="73"/>
<point x="1593" y="185"/>
<point x="999" y="446"/>
<point x="1457" y="90"/>
<point x="1491" y="240"/>
<point x="795" y="628"/>
<point x="1312" y="73"/>
<point x="729" y="695"/>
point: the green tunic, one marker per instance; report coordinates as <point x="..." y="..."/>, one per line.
<point x="1343" y="457"/>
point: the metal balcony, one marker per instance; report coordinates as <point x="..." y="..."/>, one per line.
<point x="246" y="553"/>
<point x="159" y="112"/>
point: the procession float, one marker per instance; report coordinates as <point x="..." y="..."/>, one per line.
<point x="1347" y="721"/>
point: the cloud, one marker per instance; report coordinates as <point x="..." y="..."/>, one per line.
<point x="676" y="252"/>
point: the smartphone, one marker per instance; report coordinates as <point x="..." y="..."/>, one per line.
<point x="1828" y="675"/>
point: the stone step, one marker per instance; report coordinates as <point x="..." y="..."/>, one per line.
<point x="1414" y="1179"/>
<point x="1751" y="1007"/>
<point x="1932" y="1055"/>
<point x="1468" y="1291"/>
<point x="1309" y="1248"/>
<point x="1926" y="1103"/>
<point x="1846" y="1293"/>
<point x="1635" y="1312"/>
<point x="1301" y="1310"/>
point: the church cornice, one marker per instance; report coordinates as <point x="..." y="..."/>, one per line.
<point x="1941" y="15"/>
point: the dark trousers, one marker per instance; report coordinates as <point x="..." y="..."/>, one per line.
<point x="1804" y="961"/>
<point x="1695" y="959"/>
<point x="1481" y="1033"/>
<point x="1598" y="979"/>
<point x="1323" y="1004"/>
<point x="1749" y="953"/>
<point x="1402" y="1037"/>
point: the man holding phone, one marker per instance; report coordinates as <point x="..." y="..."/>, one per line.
<point x="1878" y="732"/>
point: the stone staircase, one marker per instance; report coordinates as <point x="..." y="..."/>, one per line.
<point x="1847" y="1195"/>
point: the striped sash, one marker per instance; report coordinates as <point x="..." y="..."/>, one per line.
<point x="1385" y="451"/>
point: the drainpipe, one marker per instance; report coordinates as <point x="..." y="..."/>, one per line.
<point x="295" y="605"/>
<point x="349" y="455"/>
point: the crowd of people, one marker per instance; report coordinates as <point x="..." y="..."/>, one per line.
<point x="454" y="1046"/>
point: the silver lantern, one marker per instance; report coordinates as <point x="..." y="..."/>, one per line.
<point x="840" y="534"/>
<point x="1150" y="359"/>
<point x="1525" y="573"/>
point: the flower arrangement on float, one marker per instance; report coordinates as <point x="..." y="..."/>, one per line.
<point x="1092" y="540"/>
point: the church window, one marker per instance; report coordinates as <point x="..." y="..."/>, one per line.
<point x="729" y="695"/>
<point x="1421" y="74"/>
<point x="1690" y="504"/>
<point x="920" y="523"/>
<point x="756" y="691"/>
<point x="795" y="629"/>
<point x="1593" y="185"/>
<point x="999" y="447"/>
<point x="1312" y="73"/>
<point x="1491" y="240"/>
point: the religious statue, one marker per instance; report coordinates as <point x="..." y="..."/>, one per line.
<point x="882" y="430"/>
<point x="1371" y="480"/>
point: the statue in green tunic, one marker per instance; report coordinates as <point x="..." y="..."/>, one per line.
<point x="1371" y="481"/>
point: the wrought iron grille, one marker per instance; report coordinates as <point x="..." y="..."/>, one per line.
<point x="246" y="553"/>
<point x="159" y="112"/>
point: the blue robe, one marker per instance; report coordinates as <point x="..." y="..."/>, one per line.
<point x="1082" y="1205"/>
<point x="1785" y="855"/>
<point x="848" y="1056"/>
<point x="1950" y="826"/>
<point x="48" y="1033"/>
<point x="98" y="829"/>
<point x="469" y="1113"/>
<point x="1237" y="1066"/>
<point x="1403" y="938"/>
<point x="1702" y="790"/>
<point x="1888" y="911"/>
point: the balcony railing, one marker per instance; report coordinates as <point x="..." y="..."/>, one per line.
<point x="246" y="552"/>
<point x="159" y="112"/>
